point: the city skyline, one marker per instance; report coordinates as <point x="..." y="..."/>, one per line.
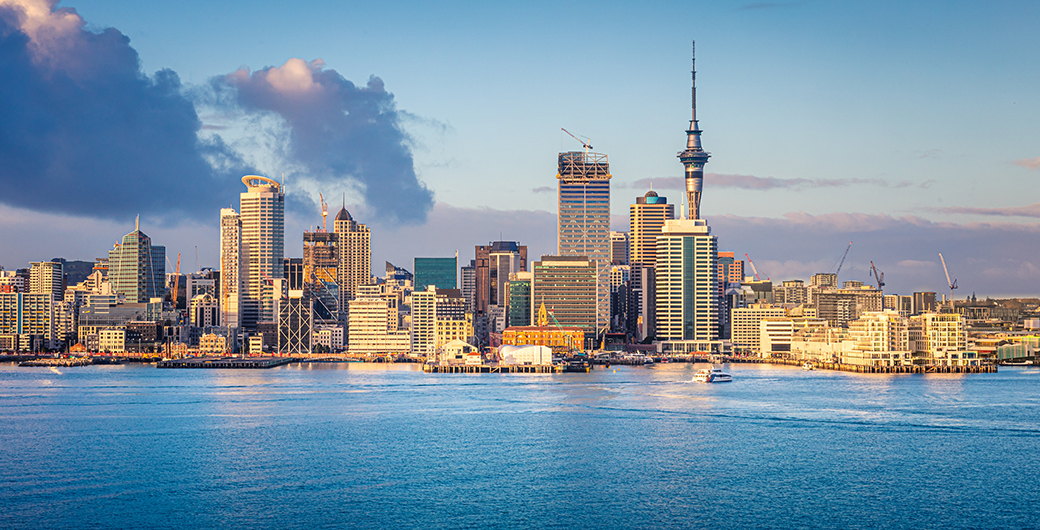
<point x="931" y="132"/>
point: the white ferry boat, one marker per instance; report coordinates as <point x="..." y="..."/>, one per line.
<point x="712" y="375"/>
<point x="808" y="366"/>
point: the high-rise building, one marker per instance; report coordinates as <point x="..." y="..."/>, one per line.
<point x="731" y="270"/>
<point x="468" y="274"/>
<point x="620" y="285"/>
<point x="320" y="258"/>
<point x="292" y="271"/>
<point x="687" y="287"/>
<point x="230" y="267"/>
<point x="566" y="286"/>
<point x="643" y="300"/>
<point x="46" y="277"/>
<point x="923" y="302"/>
<point x="204" y="311"/>
<point x="694" y="156"/>
<point x="583" y="219"/>
<point x="645" y="219"/>
<point x="373" y="324"/>
<point x="355" y="257"/>
<point x="424" y="322"/>
<point x="136" y="268"/>
<point x="519" y="312"/>
<point x="841" y="306"/>
<point x="938" y="337"/>
<point x="491" y="274"/>
<point x="27" y="314"/>
<point x="262" y="210"/>
<point x="618" y="248"/>
<point x="790" y="292"/>
<point x="439" y="272"/>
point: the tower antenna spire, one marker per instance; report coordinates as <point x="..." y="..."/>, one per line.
<point x="693" y="87"/>
<point x="694" y="156"/>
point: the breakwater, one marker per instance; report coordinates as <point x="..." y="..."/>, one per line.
<point x="63" y="362"/>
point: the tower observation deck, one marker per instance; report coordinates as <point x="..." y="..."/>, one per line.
<point x="694" y="156"/>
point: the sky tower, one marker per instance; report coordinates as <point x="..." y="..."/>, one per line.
<point x="694" y="157"/>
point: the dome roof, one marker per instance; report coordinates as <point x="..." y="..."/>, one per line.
<point x="650" y="193"/>
<point x="344" y="215"/>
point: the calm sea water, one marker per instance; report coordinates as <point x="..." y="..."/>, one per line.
<point x="373" y="446"/>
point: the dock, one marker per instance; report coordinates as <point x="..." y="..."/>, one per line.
<point x="492" y="368"/>
<point x="862" y="369"/>
<point x="226" y="362"/>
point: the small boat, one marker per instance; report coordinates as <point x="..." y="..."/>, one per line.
<point x="808" y="366"/>
<point x="712" y="375"/>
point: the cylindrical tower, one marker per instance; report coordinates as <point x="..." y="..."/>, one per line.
<point x="694" y="156"/>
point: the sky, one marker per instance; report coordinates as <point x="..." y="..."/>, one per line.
<point x="908" y="129"/>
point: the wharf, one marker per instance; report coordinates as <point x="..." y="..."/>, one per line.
<point x="860" y="369"/>
<point x="226" y="362"/>
<point x="492" y="368"/>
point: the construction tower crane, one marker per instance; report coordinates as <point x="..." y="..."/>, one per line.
<point x="952" y="284"/>
<point x="587" y="145"/>
<point x="842" y="262"/>
<point x="879" y="276"/>
<point x="753" y="269"/>
<point x="324" y="212"/>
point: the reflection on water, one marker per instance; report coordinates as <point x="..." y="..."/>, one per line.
<point x="372" y="445"/>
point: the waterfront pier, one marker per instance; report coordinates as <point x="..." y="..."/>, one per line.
<point x="226" y="362"/>
<point x="492" y="368"/>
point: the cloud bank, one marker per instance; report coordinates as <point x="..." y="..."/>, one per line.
<point x="83" y="130"/>
<point x="750" y="182"/>
<point x="1032" y="210"/>
<point x="337" y="131"/>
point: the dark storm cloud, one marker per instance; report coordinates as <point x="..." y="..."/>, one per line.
<point x="83" y="130"/>
<point x="337" y="131"/>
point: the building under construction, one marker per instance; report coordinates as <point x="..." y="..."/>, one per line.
<point x="584" y="219"/>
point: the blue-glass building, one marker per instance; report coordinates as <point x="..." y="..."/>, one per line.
<point x="440" y="272"/>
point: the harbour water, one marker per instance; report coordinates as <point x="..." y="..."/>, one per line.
<point x="388" y="446"/>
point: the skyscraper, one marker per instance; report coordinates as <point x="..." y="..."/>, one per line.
<point x="687" y="285"/>
<point x="618" y="248"/>
<point x="136" y="268"/>
<point x="230" y="267"/>
<point x="687" y="275"/>
<point x="46" y="277"/>
<point x="353" y="243"/>
<point x="263" y="246"/>
<point x="645" y="219"/>
<point x="584" y="219"/>
<point x="694" y="156"/>
<point x="566" y="286"/>
<point x="493" y="265"/>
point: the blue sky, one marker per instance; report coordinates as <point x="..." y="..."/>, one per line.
<point x="876" y="122"/>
